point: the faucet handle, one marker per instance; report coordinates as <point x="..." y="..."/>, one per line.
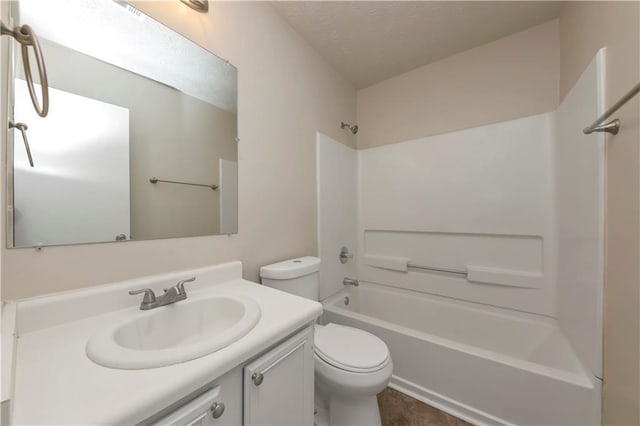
<point x="180" y="285"/>
<point x="149" y="295"/>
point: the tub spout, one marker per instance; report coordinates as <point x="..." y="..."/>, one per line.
<point x="350" y="281"/>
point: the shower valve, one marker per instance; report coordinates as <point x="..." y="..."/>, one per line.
<point x="344" y="255"/>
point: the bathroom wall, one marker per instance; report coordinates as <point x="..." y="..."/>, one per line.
<point x="585" y="27"/>
<point x="516" y="76"/>
<point x="286" y="94"/>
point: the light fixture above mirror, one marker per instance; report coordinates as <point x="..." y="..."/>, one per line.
<point x="199" y="5"/>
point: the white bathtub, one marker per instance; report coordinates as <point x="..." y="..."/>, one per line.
<point x="483" y="364"/>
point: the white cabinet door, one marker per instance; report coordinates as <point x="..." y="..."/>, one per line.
<point x="278" y="386"/>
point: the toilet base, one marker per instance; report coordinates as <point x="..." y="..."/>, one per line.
<point x="337" y="410"/>
<point x="354" y="412"/>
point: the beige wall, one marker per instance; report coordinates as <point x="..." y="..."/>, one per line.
<point x="585" y="27"/>
<point x="513" y="77"/>
<point x="286" y="93"/>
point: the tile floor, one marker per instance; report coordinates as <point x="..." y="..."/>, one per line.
<point x="398" y="409"/>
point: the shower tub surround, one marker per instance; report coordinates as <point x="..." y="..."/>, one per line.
<point x="482" y="364"/>
<point x="512" y="333"/>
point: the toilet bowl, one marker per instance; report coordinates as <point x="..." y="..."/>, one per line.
<point x="351" y="365"/>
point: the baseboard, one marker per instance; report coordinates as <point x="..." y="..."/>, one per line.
<point x="445" y="404"/>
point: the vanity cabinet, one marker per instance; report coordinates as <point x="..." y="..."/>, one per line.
<point x="278" y="386"/>
<point x="51" y="337"/>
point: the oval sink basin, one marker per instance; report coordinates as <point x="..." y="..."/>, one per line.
<point x="174" y="333"/>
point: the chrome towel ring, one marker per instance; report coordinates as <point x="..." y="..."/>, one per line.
<point x="25" y="35"/>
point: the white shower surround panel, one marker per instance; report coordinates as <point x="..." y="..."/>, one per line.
<point x="487" y="190"/>
<point x="337" y="203"/>
<point x="580" y="209"/>
<point x="527" y="195"/>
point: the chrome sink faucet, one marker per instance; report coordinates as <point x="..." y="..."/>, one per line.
<point x="171" y="295"/>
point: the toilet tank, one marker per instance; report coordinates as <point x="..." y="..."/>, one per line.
<point x="297" y="276"/>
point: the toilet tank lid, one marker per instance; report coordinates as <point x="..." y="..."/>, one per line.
<point x="292" y="268"/>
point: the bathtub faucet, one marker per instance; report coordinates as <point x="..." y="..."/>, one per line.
<point x="350" y="281"/>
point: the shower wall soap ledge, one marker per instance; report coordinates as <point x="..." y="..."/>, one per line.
<point x="506" y="277"/>
<point x="388" y="262"/>
<point x="476" y="274"/>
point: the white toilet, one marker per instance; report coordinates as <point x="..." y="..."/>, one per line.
<point x="351" y="365"/>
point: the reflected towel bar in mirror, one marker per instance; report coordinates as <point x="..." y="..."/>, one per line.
<point x="156" y="180"/>
<point x="23" y="129"/>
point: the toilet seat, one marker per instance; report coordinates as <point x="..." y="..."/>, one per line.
<point x="350" y="349"/>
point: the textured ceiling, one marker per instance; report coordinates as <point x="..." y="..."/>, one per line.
<point x="370" y="41"/>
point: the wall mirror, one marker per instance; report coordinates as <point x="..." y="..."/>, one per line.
<point x="141" y="137"/>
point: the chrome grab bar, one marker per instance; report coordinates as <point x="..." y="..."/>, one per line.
<point x="23" y="129"/>
<point x="25" y="35"/>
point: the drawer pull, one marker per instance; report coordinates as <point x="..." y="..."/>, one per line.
<point x="217" y="409"/>
<point x="257" y="379"/>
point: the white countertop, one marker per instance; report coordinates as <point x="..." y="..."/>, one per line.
<point x="56" y="383"/>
